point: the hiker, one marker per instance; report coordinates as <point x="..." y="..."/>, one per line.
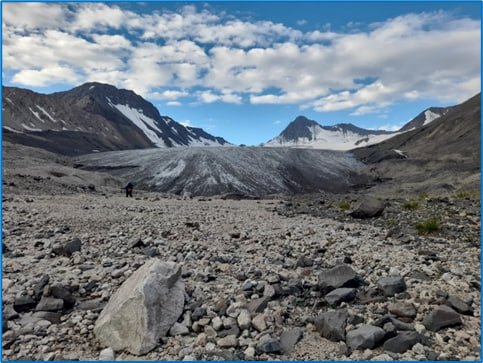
<point x="129" y="187"/>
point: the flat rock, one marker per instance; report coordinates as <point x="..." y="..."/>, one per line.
<point x="68" y="248"/>
<point x="143" y="309"/>
<point x="106" y="355"/>
<point x="367" y="336"/>
<point x="24" y="303"/>
<point x="331" y="324"/>
<point x="53" y="317"/>
<point x="230" y="341"/>
<point x="269" y="345"/>
<point x="441" y="317"/>
<point x="402" y="342"/>
<point x="368" y="207"/>
<point x="50" y="304"/>
<point x="459" y="305"/>
<point x="289" y="338"/>
<point x="343" y="294"/>
<point x="258" y="305"/>
<point x="391" y="285"/>
<point x="339" y="276"/>
<point x="405" y="310"/>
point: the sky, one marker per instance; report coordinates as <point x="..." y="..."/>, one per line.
<point x="245" y="70"/>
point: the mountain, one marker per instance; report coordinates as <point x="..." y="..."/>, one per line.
<point x="444" y="153"/>
<point x="306" y="133"/>
<point x="93" y="117"/>
<point x="213" y="171"/>
<point x="425" y="118"/>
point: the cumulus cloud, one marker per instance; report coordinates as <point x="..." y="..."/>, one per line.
<point x="164" y="55"/>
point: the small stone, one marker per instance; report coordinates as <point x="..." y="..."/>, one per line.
<point x="6" y="284"/>
<point x="289" y="338"/>
<point x="367" y="336"/>
<point x="178" y="329"/>
<point x="403" y="310"/>
<point x="269" y="345"/>
<point x="244" y="320"/>
<point x="441" y="317"/>
<point x="201" y="340"/>
<point x="340" y="276"/>
<point x="332" y="324"/>
<point x="217" y="323"/>
<point x="107" y="354"/>
<point x="391" y="285"/>
<point x="229" y="341"/>
<point x="459" y="305"/>
<point x="259" y="323"/>
<point x="234" y="330"/>
<point x="339" y="295"/>
<point x="50" y="304"/>
<point x="249" y="353"/>
<point x="402" y="342"/>
<point x="258" y="305"/>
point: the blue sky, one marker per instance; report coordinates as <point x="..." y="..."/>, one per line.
<point x="244" y="70"/>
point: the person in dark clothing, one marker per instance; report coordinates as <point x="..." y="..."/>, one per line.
<point x="129" y="187"/>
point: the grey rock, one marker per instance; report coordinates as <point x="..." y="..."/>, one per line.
<point x="367" y="336"/>
<point x="441" y="317"/>
<point x="402" y="342"/>
<point x="198" y="313"/>
<point x="143" y="309"/>
<point x="391" y="285"/>
<point x="234" y="330"/>
<point x="68" y="248"/>
<point x="368" y="207"/>
<point x="339" y="276"/>
<point x="331" y="324"/>
<point x="178" y="329"/>
<point x="244" y="320"/>
<point x="339" y="295"/>
<point x="49" y="304"/>
<point x="269" y="345"/>
<point x="405" y="310"/>
<point x="106" y="355"/>
<point x="388" y="318"/>
<point x="258" y="305"/>
<point x="230" y="341"/>
<point x="53" y="317"/>
<point x="24" y="303"/>
<point x="459" y="305"/>
<point x="39" y="286"/>
<point x="289" y="338"/>
<point x="61" y="292"/>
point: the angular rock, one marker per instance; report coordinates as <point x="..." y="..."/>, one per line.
<point x="441" y="317"/>
<point x="402" y="342"/>
<point x="459" y="305"/>
<point x="178" y="329"/>
<point x="61" y="292"/>
<point x="339" y="276"/>
<point x="339" y="295"/>
<point x="404" y="310"/>
<point x="68" y="248"/>
<point x="289" y="338"/>
<point x="258" y="323"/>
<point x="39" y="286"/>
<point x="143" y="309"/>
<point x="234" y="330"/>
<point x="269" y="345"/>
<point x="391" y="285"/>
<point x="244" y="320"/>
<point x="331" y="324"/>
<point x="388" y="318"/>
<point x="258" y="305"/>
<point x="368" y="207"/>
<point x="24" y="303"/>
<point x="229" y="341"/>
<point x="49" y="304"/>
<point x="367" y="336"/>
<point x="106" y="355"/>
<point x="53" y="317"/>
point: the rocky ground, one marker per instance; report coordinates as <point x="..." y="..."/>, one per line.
<point x="259" y="274"/>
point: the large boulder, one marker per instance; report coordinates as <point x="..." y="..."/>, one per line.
<point x="441" y="317"/>
<point x="366" y="336"/>
<point x="143" y="309"/>
<point x="332" y="324"/>
<point x="368" y="207"/>
<point x="339" y="276"/>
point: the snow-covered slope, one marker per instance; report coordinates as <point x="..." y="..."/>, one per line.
<point x="425" y="117"/>
<point x="305" y="133"/>
<point x="93" y="116"/>
<point x="213" y="171"/>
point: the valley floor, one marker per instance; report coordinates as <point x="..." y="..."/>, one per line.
<point x="233" y="252"/>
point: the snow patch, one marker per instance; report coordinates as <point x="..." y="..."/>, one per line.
<point x="9" y="100"/>
<point x="400" y="153"/>
<point x="430" y="116"/>
<point x="91" y="87"/>
<point x="30" y="128"/>
<point x="36" y="114"/>
<point x="12" y="130"/>
<point x="46" y="114"/>
<point x="146" y="124"/>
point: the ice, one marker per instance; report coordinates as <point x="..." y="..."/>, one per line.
<point x="36" y="114"/>
<point x="30" y="128"/>
<point x="430" y="117"/>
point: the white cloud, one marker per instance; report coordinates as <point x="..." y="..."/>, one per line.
<point x="173" y="103"/>
<point x="412" y="56"/>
